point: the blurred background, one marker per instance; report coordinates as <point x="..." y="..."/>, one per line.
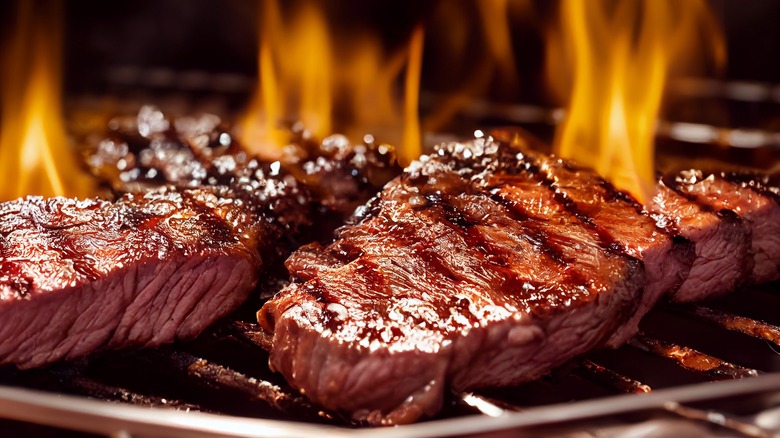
<point x="483" y="63"/>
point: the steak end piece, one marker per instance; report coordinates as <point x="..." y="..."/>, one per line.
<point x="721" y="238"/>
<point x="81" y="276"/>
<point x="756" y="204"/>
<point x="466" y="272"/>
<point x="623" y="224"/>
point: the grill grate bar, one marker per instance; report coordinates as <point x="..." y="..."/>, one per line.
<point x="691" y="359"/>
<point x="752" y="327"/>
<point x="221" y="377"/>
<point x="247" y="332"/>
<point x="718" y="418"/>
<point x="488" y="406"/>
<point x="76" y="378"/>
<point x="611" y="379"/>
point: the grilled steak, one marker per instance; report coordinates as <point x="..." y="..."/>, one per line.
<point x="757" y="204"/>
<point x="488" y="264"/>
<point x="468" y="271"/>
<point x="79" y="276"/>
<point x="199" y="222"/>
<point x="623" y="223"/>
<point x="332" y="177"/>
<point x="721" y="237"/>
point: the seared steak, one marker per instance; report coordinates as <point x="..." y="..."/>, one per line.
<point x="148" y="150"/>
<point x="470" y="270"/>
<point x="195" y="223"/>
<point x="624" y="224"/>
<point x="80" y="276"/>
<point x="488" y="264"/>
<point x="721" y="237"/>
<point x="756" y="204"/>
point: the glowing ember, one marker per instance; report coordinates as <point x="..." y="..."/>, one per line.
<point x="34" y="155"/>
<point x="620" y="55"/>
<point x="307" y="76"/>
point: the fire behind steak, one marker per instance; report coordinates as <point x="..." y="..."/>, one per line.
<point x="482" y="265"/>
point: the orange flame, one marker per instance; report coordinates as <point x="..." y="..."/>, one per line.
<point x="620" y="55"/>
<point x="305" y="76"/>
<point x="34" y="155"/>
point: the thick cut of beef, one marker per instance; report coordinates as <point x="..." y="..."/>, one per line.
<point x="80" y="276"/>
<point x="754" y="202"/>
<point x="331" y="177"/>
<point x="470" y="270"/>
<point x="722" y="240"/>
<point x="622" y="222"/>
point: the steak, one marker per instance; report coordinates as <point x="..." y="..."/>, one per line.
<point x="470" y="270"/>
<point x="751" y="200"/>
<point x="80" y="276"/>
<point x="723" y="260"/>
<point x="625" y="225"/>
<point x="331" y="177"/>
<point x="488" y="264"/>
<point x="195" y="223"/>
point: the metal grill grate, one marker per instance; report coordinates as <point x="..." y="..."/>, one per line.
<point x="225" y="371"/>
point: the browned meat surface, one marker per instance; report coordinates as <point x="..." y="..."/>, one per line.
<point x="80" y="276"/>
<point x="621" y="221"/>
<point x="468" y="271"/>
<point x="151" y="149"/>
<point x="757" y="204"/>
<point x="722" y="240"/>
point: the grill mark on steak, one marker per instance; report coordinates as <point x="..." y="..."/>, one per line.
<point x="721" y="237"/>
<point x="759" y="210"/>
<point x="453" y="286"/>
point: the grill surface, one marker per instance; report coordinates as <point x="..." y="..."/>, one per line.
<point x="225" y="372"/>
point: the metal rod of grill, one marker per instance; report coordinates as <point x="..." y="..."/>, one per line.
<point x="220" y="376"/>
<point x="693" y="360"/>
<point x="77" y="379"/>
<point x="757" y="329"/>
<point x="611" y="379"/>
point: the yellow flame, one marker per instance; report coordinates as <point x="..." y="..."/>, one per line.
<point x="619" y="55"/>
<point x="353" y="88"/>
<point x="35" y="158"/>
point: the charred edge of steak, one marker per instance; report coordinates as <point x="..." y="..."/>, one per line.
<point x="80" y="276"/>
<point x="451" y="274"/>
